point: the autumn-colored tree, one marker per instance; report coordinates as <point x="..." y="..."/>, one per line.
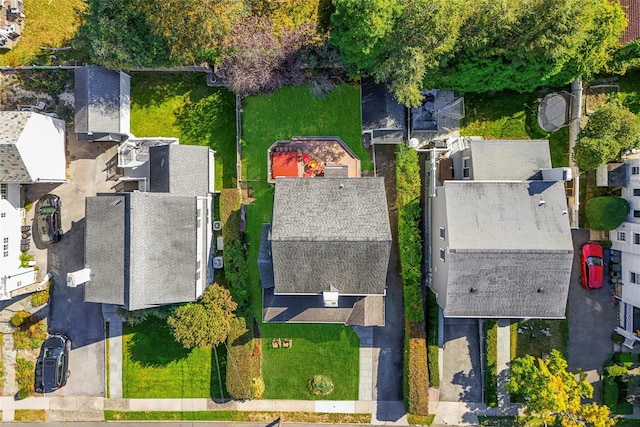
<point x="552" y="392"/>
<point x="206" y="322"/>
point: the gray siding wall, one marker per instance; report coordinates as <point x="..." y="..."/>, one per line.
<point x="440" y="272"/>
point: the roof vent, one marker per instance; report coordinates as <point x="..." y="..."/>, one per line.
<point x="542" y="202"/>
<point x="473" y="290"/>
<point x="330" y="298"/>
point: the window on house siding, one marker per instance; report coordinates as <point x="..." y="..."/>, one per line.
<point x="636" y="238"/>
<point x="442" y="254"/>
<point x="635" y="278"/>
<point x="442" y="233"/>
<point x="635" y="170"/>
<point x="622" y="236"/>
<point x="3" y="191"/>
<point x="636" y="191"/>
<point x="466" y="167"/>
<point x="636" y="214"/>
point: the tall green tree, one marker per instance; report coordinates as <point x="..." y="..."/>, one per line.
<point x="206" y="322"/>
<point x="554" y="393"/>
<point x="612" y="128"/>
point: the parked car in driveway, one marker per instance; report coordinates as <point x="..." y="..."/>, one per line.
<point x="592" y="266"/>
<point x="52" y="366"/>
<point x="47" y="218"/>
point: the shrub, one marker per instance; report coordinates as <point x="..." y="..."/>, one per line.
<point x="606" y="212"/>
<point x="257" y="388"/>
<point x="615" y="371"/>
<point x="41" y="297"/>
<point x="491" y="367"/>
<point x="244" y="366"/>
<point x="432" y="340"/>
<point x="138" y="316"/>
<point x="20" y="318"/>
<point x="25" y="375"/>
<point x="24" y="259"/>
<point x="320" y="384"/>
<point x="623" y="359"/>
<point x="23" y="393"/>
<point x="31" y="334"/>
<point x="418" y="375"/>
<point x="623" y="408"/>
<point x="610" y="393"/>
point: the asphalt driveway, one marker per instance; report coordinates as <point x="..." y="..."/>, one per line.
<point x="82" y="322"/>
<point x="461" y="379"/>
<point x="591" y="322"/>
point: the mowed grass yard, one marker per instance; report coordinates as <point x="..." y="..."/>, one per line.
<point x="154" y="365"/>
<point x="47" y="23"/>
<point x="504" y="115"/>
<point x="181" y="105"/>
<point x="332" y="350"/>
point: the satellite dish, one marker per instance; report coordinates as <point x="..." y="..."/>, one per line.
<point x="413" y="143"/>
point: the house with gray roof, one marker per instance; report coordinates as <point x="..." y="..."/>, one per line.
<point x="151" y="248"/>
<point x="102" y="104"/>
<point x="325" y="255"/>
<point x="500" y="236"/>
<point x="32" y="150"/>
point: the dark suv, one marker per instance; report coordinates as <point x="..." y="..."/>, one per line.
<point x="52" y="367"/>
<point x="48" y="223"/>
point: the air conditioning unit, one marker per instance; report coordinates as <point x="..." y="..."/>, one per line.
<point x="218" y="263"/>
<point x="217" y="226"/>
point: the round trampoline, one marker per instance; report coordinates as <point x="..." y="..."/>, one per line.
<point x="553" y="111"/>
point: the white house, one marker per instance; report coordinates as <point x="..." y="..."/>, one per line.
<point x="626" y="239"/>
<point x="32" y="149"/>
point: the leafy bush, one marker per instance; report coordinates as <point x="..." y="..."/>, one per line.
<point x="20" y="318"/>
<point x="41" y="297"/>
<point x="606" y="212"/>
<point x="615" y="371"/>
<point x="491" y="365"/>
<point x="25" y="375"/>
<point x="51" y="82"/>
<point x="257" y="388"/>
<point x="31" y="334"/>
<point x="417" y="371"/>
<point x="243" y="377"/>
<point x="320" y="384"/>
<point x="23" y="393"/>
<point x="610" y="393"/>
<point x="623" y="359"/>
<point x="24" y="259"/>
<point x="432" y="340"/>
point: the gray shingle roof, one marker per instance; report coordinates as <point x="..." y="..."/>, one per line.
<point x="507" y="240"/>
<point x="102" y="101"/>
<point x="12" y="167"/>
<point x="509" y="159"/>
<point x="330" y="232"/>
<point x="381" y="111"/>
<point x="152" y="260"/>
<point x="179" y="169"/>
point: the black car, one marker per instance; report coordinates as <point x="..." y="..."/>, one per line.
<point x="48" y="223"/>
<point x="52" y="367"/>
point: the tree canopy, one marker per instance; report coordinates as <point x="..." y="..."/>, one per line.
<point x="475" y="46"/>
<point x="206" y="322"/>
<point x="612" y="128"/>
<point x="552" y="392"/>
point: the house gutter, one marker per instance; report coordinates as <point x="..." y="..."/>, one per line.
<point x="575" y="114"/>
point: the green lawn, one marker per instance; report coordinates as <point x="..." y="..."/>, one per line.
<point x="317" y="349"/>
<point x="330" y="350"/>
<point x="294" y="111"/>
<point x="154" y="365"/>
<point x="503" y="115"/>
<point x="532" y="341"/>
<point x="181" y="105"/>
<point x="50" y="23"/>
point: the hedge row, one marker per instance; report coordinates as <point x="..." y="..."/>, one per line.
<point x="243" y="362"/>
<point x="616" y="383"/>
<point x="409" y="235"/>
<point x="416" y="372"/>
<point x="235" y="260"/>
<point x="432" y="339"/>
<point x="491" y="363"/>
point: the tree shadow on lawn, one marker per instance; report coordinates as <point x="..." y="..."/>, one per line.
<point x="152" y="344"/>
<point x="153" y="88"/>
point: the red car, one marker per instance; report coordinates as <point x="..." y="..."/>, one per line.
<point x="592" y="266"/>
